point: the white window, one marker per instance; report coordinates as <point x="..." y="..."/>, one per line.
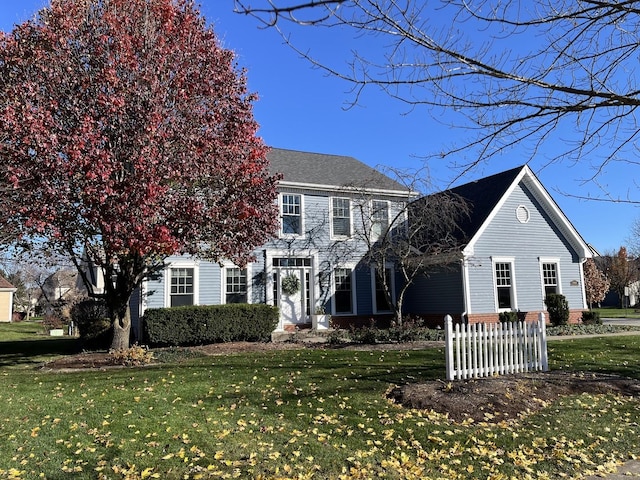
<point x="341" y="217"/>
<point x="181" y="286"/>
<point x="379" y="218"/>
<point x="343" y="296"/>
<point x="291" y="211"/>
<point x="236" y="285"/>
<point x="550" y="272"/>
<point x="505" y="290"/>
<point x="382" y="304"/>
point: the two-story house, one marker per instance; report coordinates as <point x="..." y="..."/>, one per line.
<point x="331" y="209"/>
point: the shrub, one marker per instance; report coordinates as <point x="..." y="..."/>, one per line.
<point x="199" y="325"/>
<point x="591" y="318"/>
<point x="367" y="335"/>
<point x="558" y="309"/>
<point x="337" y="336"/>
<point x="52" y="321"/>
<point x="411" y="330"/>
<point x="91" y="316"/>
<point x="508" y="317"/>
<point x="133" y="356"/>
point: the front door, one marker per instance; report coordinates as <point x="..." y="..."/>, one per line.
<point x="294" y="294"/>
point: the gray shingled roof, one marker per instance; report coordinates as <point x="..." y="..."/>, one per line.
<point x="482" y="197"/>
<point x="323" y="169"/>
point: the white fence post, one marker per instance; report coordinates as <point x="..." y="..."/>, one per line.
<point x="448" y="334"/>
<point x="542" y="327"/>
<point x="481" y="350"/>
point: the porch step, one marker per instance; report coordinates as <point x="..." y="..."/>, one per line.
<point x="302" y="336"/>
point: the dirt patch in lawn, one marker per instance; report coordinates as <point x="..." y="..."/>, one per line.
<point x="488" y="399"/>
<point x="506" y="397"/>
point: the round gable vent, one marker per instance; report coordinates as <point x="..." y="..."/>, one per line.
<point x="522" y="214"/>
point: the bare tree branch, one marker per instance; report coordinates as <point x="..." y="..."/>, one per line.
<point x="511" y="74"/>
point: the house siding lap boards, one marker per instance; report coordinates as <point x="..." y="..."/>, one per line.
<point x="526" y="244"/>
<point x="6" y="300"/>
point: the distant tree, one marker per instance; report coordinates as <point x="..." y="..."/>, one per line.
<point x="512" y="73"/>
<point x="127" y="135"/>
<point x="622" y="272"/>
<point x="596" y="283"/>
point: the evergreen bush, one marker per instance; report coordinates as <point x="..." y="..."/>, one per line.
<point x="589" y="317"/>
<point x="91" y="317"/>
<point x="558" y="309"/>
<point x="508" y="317"/>
<point x="205" y="324"/>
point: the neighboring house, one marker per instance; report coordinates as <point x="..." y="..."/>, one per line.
<point x="331" y="208"/>
<point x="518" y="246"/>
<point x="6" y="300"/>
<point x="59" y="291"/>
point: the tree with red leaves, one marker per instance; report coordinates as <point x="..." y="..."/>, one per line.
<point x="126" y="136"/>
<point x="596" y="283"/>
<point x="622" y="271"/>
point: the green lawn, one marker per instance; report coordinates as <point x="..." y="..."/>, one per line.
<point x="310" y="413"/>
<point x="610" y="312"/>
<point x="21" y="331"/>
<point x="25" y="344"/>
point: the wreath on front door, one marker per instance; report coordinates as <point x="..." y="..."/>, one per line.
<point x="290" y="285"/>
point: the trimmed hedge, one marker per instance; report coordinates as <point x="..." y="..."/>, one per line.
<point x="204" y="324"/>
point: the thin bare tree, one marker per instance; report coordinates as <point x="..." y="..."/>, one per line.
<point x="513" y="74"/>
<point x="415" y="236"/>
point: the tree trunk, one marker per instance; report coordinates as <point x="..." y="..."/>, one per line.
<point x="398" y="310"/>
<point x="121" y="330"/>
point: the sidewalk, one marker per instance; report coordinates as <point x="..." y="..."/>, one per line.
<point x="629" y="470"/>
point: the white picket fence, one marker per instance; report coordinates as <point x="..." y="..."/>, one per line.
<point x="483" y="350"/>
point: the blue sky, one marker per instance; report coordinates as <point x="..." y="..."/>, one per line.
<point x="302" y="108"/>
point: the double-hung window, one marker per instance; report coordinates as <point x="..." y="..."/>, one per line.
<point x="341" y="217"/>
<point x="343" y="291"/>
<point x="181" y="286"/>
<point x="550" y="277"/>
<point x="504" y="285"/>
<point x="236" y="285"/>
<point x="379" y="218"/>
<point x="291" y="206"/>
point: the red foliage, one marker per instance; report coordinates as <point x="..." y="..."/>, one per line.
<point x="125" y="124"/>
<point x="596" y="283"/>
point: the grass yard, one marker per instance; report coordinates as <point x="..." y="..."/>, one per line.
<point x="14" y="331"/>
<point x="309" y="413"/>
<point x="25" y="344"/>
<point x="610" y="312"/>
